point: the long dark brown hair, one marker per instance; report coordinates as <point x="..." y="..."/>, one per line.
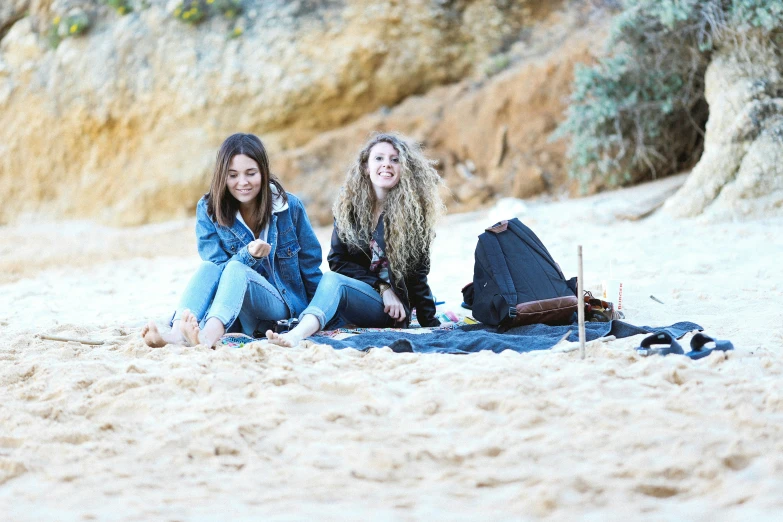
<point x="221" y="205"/>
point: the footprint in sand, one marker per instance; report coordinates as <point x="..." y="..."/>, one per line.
<point x="10" y="469"/>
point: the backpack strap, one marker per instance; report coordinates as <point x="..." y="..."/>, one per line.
<point x="531" y="239"/>
<point x="497" y="262"/>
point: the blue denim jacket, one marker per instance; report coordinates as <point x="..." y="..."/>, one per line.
<point x="295" y="256"/>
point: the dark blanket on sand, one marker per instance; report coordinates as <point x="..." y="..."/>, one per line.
<point x="478" y="337"/>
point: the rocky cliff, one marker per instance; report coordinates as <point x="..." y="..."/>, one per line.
<point x="491" y="136"/>
<point x="122" y="122"/>
<point x="740" y="173"/>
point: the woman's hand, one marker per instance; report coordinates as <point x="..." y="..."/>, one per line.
<point x="259" y="248"/>
<point x="392" y="305"/>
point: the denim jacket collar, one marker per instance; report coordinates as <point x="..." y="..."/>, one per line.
<point x="278" y="203"/>
<point x="293" y="266"/>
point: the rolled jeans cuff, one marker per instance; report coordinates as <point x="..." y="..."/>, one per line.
<point x="223" y="314"/>
<point x="317" y="312"/>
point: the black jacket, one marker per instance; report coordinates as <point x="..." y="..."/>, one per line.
<point x="413" y="290"/>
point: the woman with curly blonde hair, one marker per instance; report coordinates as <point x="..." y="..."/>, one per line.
<point x="383" y="230"/>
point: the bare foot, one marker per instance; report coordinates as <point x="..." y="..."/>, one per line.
<point x="190" y="328"/>
<point x="288" y="339"/>
<point x="152" y="336"/>
<point x="308" y="325"/>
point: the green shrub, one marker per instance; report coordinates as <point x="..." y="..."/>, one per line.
<point x="196" y="11"/>
<point x="191" y="11"/>
<point x="639" y="112"/>
<point x="122" y="7"/>
<point x="52" y="35"/>
<point x="75" y="23"/>
<point x="764" y="14"/>
<point x="236" y="32"/>
<point x="228" y="8"/>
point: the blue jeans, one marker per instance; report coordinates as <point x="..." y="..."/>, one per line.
<point x="234" y="292"/>
<point x="341" y="299"/>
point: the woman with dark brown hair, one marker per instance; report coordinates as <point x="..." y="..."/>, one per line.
<point x="261" y="257"/>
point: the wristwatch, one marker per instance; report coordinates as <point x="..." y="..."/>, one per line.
<point x="382" y="287"/>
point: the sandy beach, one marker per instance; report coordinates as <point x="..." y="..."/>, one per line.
<point x="121" y="431"/>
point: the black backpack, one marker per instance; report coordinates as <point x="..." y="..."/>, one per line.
<point x="516" y="281"/>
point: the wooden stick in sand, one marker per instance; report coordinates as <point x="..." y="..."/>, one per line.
<point x="69" y="339"/>
<point x="581" y="310"/>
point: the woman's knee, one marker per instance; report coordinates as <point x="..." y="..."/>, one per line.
<point x="234" y="270"/>
<point x="205" y="278"/>
<point x="331" y="282"/>
<point x="208" y="268"/>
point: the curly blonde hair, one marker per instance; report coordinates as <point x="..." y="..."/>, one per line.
<point x="411" y="208"/>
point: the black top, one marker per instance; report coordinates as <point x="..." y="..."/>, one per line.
<point x="413" y="290"/>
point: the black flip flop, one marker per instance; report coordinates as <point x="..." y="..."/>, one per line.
<point x="664" y="342"/>
<point x="700" y="340"/>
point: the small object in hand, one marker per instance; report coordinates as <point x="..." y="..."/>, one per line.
<point x="258" y="248"/>
<point x="656" y="299"/>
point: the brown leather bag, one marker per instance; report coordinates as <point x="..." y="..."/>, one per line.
<point x="599" y="310"/>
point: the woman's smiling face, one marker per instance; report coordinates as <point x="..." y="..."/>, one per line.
<point x="384" y="167"/>
<point x="244" y="179"/>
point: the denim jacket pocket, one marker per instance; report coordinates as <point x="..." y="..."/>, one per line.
<point x="287" y="236"/>
<point x="233" y="245"/>
<point x="288" y="250"/>
<point x="288" y="257"/>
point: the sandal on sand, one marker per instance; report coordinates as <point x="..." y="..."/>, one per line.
<point x="698" y="343"/>
<point x="667" y="345"/>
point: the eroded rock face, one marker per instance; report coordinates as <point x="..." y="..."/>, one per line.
<point x="740" y="173"/>
<point x="11" y="11"/>
<point x="491" y="138"/>
<point x="122" y="125"/>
